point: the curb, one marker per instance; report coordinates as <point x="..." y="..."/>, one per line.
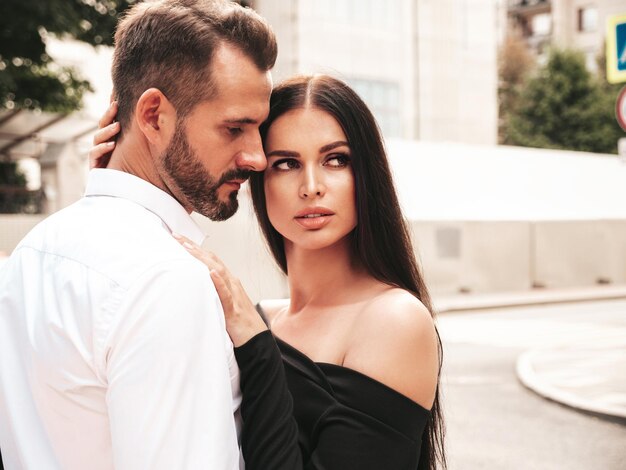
<point x="528" y="298"/>
<point x="528" y="377"/>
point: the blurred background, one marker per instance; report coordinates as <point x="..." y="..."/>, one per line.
<point x="498" y="117"/>
<point x="501" y="123"/>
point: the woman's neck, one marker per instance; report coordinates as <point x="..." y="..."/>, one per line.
<point x="323" y="277"/>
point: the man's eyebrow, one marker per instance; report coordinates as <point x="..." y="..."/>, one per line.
<point x="241" y="121"/>
<point x="334" y="145"/>
<point x="282" y="153"/>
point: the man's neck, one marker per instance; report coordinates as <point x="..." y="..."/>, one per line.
<point x="131" y="156"/>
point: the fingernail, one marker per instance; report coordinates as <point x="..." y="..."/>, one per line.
<point x="110" y="144"/>
<point x="176" y="235"/>
<point x="188" y="245"/>
<point x="115" y="125"/>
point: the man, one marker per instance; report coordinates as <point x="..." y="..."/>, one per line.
<point x="113" y="352"/>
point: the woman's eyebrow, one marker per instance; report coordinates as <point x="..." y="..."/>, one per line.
<point x="333" y="145"/>
<point x="282" y="153"/>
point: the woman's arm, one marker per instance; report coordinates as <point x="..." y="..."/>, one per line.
<point x="269" y="437"/>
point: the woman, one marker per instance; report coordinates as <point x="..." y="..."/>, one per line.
<point x="360" y="352"/>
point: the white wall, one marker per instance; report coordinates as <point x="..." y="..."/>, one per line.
<point x="457" y="256"/>
<point x="458" y="70"/>
<point x="441" y="56"/>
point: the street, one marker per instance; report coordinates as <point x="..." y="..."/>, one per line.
<point x="493" y="421"/>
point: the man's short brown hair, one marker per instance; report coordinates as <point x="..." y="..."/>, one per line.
<point x="169" y="45"/>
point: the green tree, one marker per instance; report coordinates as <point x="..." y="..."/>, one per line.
<point x="29" y="78"/>
<point x="564" y="106"/>
<point x="515" y="65"/>
<point x="14" y="196"/>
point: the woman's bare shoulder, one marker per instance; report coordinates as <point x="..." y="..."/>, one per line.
<point x="395" y="342"/>
<point x="272" y="307"/>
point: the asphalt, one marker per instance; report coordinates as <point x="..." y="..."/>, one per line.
<point x="586" y="375"/>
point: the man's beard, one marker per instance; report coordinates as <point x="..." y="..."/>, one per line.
<point x="196" y="184"/>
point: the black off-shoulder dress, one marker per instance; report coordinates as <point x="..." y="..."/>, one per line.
<point x="299" y="414"/>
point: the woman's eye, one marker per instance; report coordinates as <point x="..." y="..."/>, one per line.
<point x="286" y="164"/>
<point x="338" y="160"/>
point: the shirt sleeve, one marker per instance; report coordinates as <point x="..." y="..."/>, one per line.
<point x="169" y="394"/>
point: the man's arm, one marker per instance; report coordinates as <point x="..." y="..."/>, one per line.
<point x="169" y="389"/>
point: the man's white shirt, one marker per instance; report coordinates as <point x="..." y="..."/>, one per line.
<point x="113" y="349"/>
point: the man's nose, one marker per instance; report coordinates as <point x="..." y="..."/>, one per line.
<point x="252" y="156"/>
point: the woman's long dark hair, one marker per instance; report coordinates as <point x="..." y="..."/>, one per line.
<point x="381" y="241"/>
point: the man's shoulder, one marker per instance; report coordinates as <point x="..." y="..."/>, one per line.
<point x="112" y="236"/>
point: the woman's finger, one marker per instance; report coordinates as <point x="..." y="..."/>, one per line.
<point x="208" y="258"/>
<point x="100" y="155"/>
<point x="108" y="116"/>
<point x="198" y="252"/>
<point x="106" y="133"/>
<point x="223" y="292"/>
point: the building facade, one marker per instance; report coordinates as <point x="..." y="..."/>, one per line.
<point x="427" y="68"/>
<point x="571" y="24"/>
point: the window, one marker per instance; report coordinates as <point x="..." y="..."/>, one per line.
<point x="383" y="99"/>
<point x="587" y="19"/>
<point x="541" y="24"/>
<point x="591" y="61"/>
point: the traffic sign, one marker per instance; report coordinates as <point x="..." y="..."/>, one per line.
<point x="616" y="48"/>
<point x="620" y="108"/>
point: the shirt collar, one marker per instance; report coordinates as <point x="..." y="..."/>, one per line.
<point x="105" y="182"/>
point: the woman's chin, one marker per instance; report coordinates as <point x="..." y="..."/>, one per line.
<point x="317" y="241"/>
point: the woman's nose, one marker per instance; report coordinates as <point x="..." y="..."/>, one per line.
<point x="312" y="185"/>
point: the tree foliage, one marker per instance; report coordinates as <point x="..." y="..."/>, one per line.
<point x="515" y="64"/>
<point x="564" y="106"/>
<point x="14" y="196"/>
<point x="29" y="78"/>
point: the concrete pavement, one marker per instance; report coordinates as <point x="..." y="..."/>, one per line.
<point x="588" y="370"/>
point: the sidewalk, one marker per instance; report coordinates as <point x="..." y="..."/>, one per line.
<point x="588" y="374"/>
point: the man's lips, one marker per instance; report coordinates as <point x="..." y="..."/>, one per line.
<point x="235" y="183"/>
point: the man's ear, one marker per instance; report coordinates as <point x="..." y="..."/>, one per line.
<point x="156" y="117"/>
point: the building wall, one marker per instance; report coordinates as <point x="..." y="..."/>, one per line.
<point x="487" y="256"/>
<point x="568" y="32"/>
<point x="14" y="227"/>
<point x="580" y="24"/>
<point x="426" y="68"/>
<point x="461" y="256"/>
<point x="457" y="256"/>
<point x="569" y="253"/>
<point x="458" y="70"/>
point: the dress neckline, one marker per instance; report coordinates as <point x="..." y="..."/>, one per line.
<point x="328" y="366"/>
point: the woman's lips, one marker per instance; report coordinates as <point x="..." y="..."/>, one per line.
<point x="314" y="218"/>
